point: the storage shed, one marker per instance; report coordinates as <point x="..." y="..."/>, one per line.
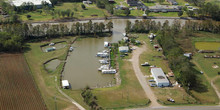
<point x="160" y="77"/>
<point x="123" y="49"/>
<point x="50" y="49"/>
<point x="65" y="84"/>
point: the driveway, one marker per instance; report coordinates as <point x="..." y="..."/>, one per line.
<point x="140" y="76"/>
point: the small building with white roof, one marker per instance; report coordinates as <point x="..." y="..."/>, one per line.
<point x="123" y="49"/>
<point x="65" y="84"/>
<point x="159" y="77"/>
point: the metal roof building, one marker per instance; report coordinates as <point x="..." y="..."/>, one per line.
<point x="18" y="3"/>
<point x="160" y="77"/>
<point x="123" y="49"/>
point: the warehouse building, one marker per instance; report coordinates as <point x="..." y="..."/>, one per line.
<point x="159" y="77"/>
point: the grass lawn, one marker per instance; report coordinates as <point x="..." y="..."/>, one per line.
<point x="129" y="94"/>
<point x="169" y="14"/>
<point x="178" y="94"/>
<point x="46" y="82"/>
<point x="181" y="2"/>
<point x="136" y="13"/>
<point x="149" y="4"/>
<point x="217" y="83"/>
<point x="74" y="7"/>
<point x="207" y="97"/>
<point x="207" y="45"/>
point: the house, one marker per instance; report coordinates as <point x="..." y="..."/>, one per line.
<point x="37" y="3"/>
<point x="159" y="77"/>
<point x="172" y="2"/>
<point x="123" y="49"/>
<point x="65" y="84"/>
<point x="132" y="2"/>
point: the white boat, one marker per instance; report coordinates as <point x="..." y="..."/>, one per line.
<point x="103" y="67"/>
<point x="106" y="44"/>
<point x="102" y="54"/>
<point x="124" y="34"/>
<point x="111" y="71"/>
<point x="104" y="61"/>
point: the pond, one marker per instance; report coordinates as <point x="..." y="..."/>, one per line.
<point x="207" y="45"/>
<point x="52" y="65"/>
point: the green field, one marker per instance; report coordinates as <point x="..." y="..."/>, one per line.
<point x="217" y="83"/>
<point x="207" y="45"/>
<point x="74" y="7"/>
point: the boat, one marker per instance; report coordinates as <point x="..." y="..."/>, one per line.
<point x="102" y="54"/>
<point x="106" y="44"/>
<point x="104" y="61"/>
<point x="124" y="34"/>
<point x="145" y="64"/>
<point x="111" y="71"/>
<point x="103" y="67"/>
<point x="71" y="49"/>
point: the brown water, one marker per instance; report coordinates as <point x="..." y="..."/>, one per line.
<point x="52" y="65"/>
<point x="82" y="65"/>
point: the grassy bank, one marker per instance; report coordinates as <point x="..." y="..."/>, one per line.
<point x="46" y="82"/>
<point x="217" y="83"/>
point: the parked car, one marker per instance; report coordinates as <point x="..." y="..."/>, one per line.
<point x="151" y="80"/>
<point x="170" y="99"/>
<point x="153" y="85"/>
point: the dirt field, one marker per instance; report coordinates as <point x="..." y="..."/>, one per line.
<point x="17" y="88"/>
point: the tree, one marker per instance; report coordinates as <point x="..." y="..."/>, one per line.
<point x="83" y="6"/>
<point x="147" y="12"/>
<point x="127" y="12"/>
<point x="109" y="26"/>
<point x="180" y="13"/>
<point x="101" y="26"/>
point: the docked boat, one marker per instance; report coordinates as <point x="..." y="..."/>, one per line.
<point x="111" y="71"/>
<point x="102" y="54"/>
<point x="106" y="44"/>
<point x="103" y="67"/>
<point x="104" y="61"/>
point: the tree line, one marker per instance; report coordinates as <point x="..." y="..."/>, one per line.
<point x="45" y="31"/>
<point x="190" y="26"/>
<point x="183" y="69"/>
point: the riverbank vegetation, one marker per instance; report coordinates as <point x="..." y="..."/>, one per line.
<point x="185" y="72"/>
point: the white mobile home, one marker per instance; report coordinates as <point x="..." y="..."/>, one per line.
<point x="160" y="77"/>
<point x="123" y="49"/>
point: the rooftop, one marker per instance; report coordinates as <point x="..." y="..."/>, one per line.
<point x="159" y="75"/>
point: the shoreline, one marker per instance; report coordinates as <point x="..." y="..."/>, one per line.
<point x="109" y="18"/>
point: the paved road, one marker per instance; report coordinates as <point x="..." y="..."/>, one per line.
<point x="135" y="63"/>
<point x="182" y="108"/>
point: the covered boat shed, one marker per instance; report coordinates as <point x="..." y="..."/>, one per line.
<point x="65" y="84"/>
<point x="159" y="77"/>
